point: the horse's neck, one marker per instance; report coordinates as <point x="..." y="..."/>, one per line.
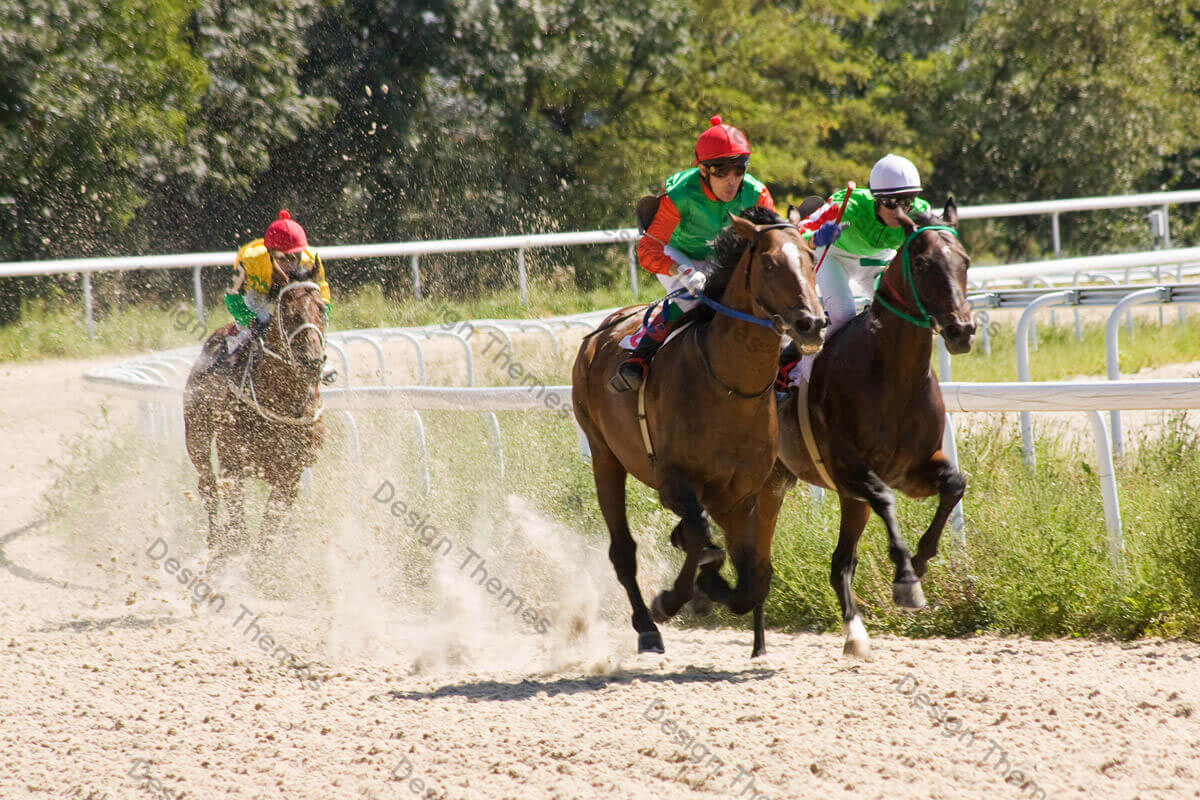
<point x="904" y="347"/>
<point x="745" y="356"/>
<point x="288" y="390"/>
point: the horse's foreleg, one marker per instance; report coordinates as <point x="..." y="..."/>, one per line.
<point x="951" y="485"/>
<point x="749" y="531"/>
<point x="906" y="588"/>
<point x="622" y="549"/>
<point x="278" y="509"/>
<point x="692" y="536"/>
<point x="233" y="537"/>
<point x="198" y="440"/>
<point x="841" y="575"/>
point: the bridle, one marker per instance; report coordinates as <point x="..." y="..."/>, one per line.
<point x="774" y="322"/>
<point x="921" y="319"/>
<point x="247" y="393"/>
<point x="287" y="338"/>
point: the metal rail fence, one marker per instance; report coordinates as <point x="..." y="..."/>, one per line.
<point x="628" y="236"/>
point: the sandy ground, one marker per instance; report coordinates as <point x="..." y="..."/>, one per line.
<point x="119" y="683"/>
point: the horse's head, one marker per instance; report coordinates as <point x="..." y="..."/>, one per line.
<point x="928" y="278"/>
<point x="298" y="332"/>
<point x="780" y="280"/>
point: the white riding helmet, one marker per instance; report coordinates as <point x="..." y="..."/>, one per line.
<point x="894" y="175"/>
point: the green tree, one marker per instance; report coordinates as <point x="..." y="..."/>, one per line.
<point x="94" y="104"/>
<point x="1030" y="101"/>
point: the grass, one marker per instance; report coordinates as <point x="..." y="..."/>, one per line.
<point x="53" y="329"/>
<point x="1059" y="355"/>
<point x="1035" y="559"/>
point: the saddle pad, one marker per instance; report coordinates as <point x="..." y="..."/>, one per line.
<point x="630" y="342"/>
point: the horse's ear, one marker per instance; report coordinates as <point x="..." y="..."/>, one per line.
<point x="279" y="278"/>
<point x="950" y="212"/>
<point x="743" y="227"/>
<point x="793" y="215"/>
<point x="906" y="222"/>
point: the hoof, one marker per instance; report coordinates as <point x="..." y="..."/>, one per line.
<point x="701" y="604"/>
<point x="650" y="642"/>
<point x="657" y="612"/>
<point x="857" y="648"/>
<point x="858" y="645"/>
<point x="908" y="595"/>
<point x="758" y="651"/>
<point x="711" y="554"/>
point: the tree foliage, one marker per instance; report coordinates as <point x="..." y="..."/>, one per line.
<point x="168" y="125"/>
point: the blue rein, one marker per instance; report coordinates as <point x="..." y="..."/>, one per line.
<point x="773" y="323"/>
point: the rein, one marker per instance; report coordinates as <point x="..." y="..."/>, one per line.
<point x="773" y="323"/>
<point x="708" y="368"/>
<point x="924" y="320"/>
<point x="251" y="399"/>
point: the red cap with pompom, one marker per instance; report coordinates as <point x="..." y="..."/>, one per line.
<point x="721" y="141"/>
<point x="285" y="235"/>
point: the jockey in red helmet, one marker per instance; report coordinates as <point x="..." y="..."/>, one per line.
<point x="691" y="211"/>
<point x="282" y="253"/>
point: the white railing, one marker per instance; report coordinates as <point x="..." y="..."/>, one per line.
<point x="157" y="380"/>
<point x="413" y="250"/>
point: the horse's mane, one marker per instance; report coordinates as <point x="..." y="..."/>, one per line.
<point x="728" y="247"/>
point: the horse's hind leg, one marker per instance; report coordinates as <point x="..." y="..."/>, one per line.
<point x="906" y="588"/>
<point x="692" y="536"/>
<point x="951" y="485"/>
<point x="841" y="575"/>
<point x="622" y="549"/>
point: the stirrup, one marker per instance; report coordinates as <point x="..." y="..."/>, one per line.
<point x="630" y="375"/>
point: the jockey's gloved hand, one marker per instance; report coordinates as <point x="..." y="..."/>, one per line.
<point x="235" y="342"/>
<point x="692" y="279"/>
<point x="828" y="233"/>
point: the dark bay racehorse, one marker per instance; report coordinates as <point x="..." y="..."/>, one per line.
<point x="264" y="415"/>
<point x="877" y="415"/>
<point x="710" y="417"/>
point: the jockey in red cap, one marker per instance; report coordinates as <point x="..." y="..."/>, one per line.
<point x="675" y="244"/>
<point x="282" y="254"/>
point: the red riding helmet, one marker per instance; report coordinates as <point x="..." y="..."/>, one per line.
<point x="721" y="142"/>
<point x="285" y="235"/>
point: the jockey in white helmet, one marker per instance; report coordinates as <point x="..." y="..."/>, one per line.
<point x="866" y="239"/>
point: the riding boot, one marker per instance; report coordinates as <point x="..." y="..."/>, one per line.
<point x="632" y="371"/>
<point x="789" y="357"/>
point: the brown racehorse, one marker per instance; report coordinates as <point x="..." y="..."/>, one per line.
<point x="711" y="422"/>
<point x="265" y="414"/>
<point x="877" y="414"/>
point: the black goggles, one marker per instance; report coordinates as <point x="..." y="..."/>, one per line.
<point x="720" y="169"/>
<point x="893" y="203"/>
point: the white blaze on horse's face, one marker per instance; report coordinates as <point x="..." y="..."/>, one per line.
<point x="792" y="253"/>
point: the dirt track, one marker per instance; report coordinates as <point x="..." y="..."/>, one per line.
<point x="94" y="679"/>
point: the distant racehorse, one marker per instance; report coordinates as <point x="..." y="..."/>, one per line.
<point x="264" y="415"/>
<point x="707" y="413"/>
<point x="877" y="416"/>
